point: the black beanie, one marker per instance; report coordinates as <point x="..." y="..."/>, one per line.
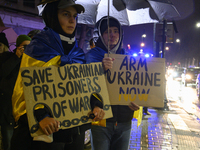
<point x="3" y="39"/>
<point x="112" y="23"/>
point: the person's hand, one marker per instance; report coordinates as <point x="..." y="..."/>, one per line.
<point x="49" y="125"/>
<point x="107" y="63"/>
<point x="133" y="106"/>
<point x="98" y="113"/>
<point x="19" y="51"/>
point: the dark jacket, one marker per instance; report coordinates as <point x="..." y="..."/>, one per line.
<point x="120" y="113"/>
<point x="9" y="68"/>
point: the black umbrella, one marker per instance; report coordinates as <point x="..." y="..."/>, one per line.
<point x="159" y="9"/>
<point x="96" y="9"/>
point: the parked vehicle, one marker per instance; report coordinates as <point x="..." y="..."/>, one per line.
<point x="177" y="73"/>
<point x="198" y="85"/>
<point x="190" y="75"/>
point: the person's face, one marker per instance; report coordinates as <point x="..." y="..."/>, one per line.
<point x="2" y="47"/>
<point x="67" y="19"/>
<point x="20" y="49"/>
<point x="113" y="37"/>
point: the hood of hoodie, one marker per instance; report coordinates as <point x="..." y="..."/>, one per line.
<point x="50" y="17"/>
<point x="100" y="27"/>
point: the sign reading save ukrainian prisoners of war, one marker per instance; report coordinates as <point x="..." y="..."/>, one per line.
<point x="65" y="91"/>
<point x="136" y="79"/>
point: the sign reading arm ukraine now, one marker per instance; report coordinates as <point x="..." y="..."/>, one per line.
<point x="66" y="92"/>
<point x="136" y="79"/>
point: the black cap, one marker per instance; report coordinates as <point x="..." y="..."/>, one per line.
<point x="65" y="3"/>
<point x="3" y="39"/>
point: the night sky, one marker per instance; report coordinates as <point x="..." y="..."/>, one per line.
<point x="186" y="52"/>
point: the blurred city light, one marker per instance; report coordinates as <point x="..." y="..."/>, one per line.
<point x="142" y="44"/>
<point x="167" y="48"/>
<point x="188" y="76"/>
<point x="135" y="54"/>
<point x="129" y="46"/>
<point x="178" y="40"/>
<point x="147" y="55"/>
<point x="198" y="25"/>
<point x="144" y="35"/>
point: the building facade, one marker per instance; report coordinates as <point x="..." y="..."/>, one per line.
<point x="21" y="15"/>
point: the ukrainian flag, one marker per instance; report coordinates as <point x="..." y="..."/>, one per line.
<point x="44" y="50"/>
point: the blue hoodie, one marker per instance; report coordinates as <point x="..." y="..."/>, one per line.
<point x="121" y="113"/>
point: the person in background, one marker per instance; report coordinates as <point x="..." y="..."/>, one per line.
<point x="54" y="45"/>
<point x="9" y="68"/>
<point x="32" y="33"/>
<point x="116" y="134"/>
<point x="21" y="43"/>
<point x="145" y="111"/>
<point x="3" y="43"/>
<point x="92" y="45"/>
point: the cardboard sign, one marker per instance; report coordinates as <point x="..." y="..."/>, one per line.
<point x="137" y="79"/>
<point x="65" y="91"/>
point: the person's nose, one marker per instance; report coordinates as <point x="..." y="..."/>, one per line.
<point x="112" y="34"/>
<point x="72" y="19"/>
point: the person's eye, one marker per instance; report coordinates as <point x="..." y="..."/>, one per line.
<point x="116" y="31"/>
<point x="75" y="16"/>
<point x="66" y="14"/>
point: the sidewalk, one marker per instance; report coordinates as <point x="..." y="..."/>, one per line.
<point x="166" y="130"/>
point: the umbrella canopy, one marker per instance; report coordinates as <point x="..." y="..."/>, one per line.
<point x="133" y="12"/>
<point x="164" y="9"/>
<point x="184" y="7"/>
<point x="11" y="36"/>
<point x="96" y="9"/>
<point x="159" y="9"/>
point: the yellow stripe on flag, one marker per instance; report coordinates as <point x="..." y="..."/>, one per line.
<point x="138" y="115"/>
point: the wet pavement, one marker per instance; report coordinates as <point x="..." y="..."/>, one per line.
<point x="153" y="133"/>
<point x="174" y="129"/>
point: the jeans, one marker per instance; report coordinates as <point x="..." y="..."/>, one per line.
<point x="111" y="137"/>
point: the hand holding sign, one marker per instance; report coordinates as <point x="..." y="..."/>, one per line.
<point x="133" y="106"/>
<point x="99" y="113"/>
<point x="49" y="125"/>
<point x="107" y="63"/>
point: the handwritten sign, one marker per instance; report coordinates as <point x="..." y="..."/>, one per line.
<point x="65" y="91"/>
<point x="137" y="79"/>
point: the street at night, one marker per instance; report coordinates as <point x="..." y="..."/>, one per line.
<point x="134" y="54"/>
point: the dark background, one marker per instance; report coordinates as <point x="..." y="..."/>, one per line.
<point x="185" y="53"/>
